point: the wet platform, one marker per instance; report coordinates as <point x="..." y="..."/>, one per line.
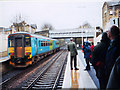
<point x="78" y="78"/>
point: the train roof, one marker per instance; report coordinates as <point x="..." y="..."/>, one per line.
<point x="33" y="35"/>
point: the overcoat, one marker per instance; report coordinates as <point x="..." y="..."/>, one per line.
<point x="87" y="51"/>
<point x="114" y="80"/>
<point x="72" y="48"/>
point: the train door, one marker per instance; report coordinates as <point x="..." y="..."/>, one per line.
<point x="36" y="47"/>
<point x="19" y="46"/>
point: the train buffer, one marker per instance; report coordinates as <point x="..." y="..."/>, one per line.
<point x="78" y="78"/>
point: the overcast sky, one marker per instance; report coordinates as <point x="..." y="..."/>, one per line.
<point x="60" y="14"/>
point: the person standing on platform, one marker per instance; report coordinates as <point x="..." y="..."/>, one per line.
<point x="73" y="53"/>
<point x="113" y="50"/>
<point x="98" y="58"/>
<point x="91" y="47"/>
<point x="87" y="53"/>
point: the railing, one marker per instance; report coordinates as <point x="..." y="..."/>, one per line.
<point x="89" y="32"/>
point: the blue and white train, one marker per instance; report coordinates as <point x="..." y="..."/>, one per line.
<point x="25" y="49"/>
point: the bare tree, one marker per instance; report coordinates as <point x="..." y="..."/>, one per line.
<point x="47" y="26"/>
<point x="85" y="25"/>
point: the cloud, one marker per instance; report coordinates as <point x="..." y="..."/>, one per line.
<point x="61" y="15"/>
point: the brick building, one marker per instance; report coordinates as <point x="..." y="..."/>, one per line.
<point x="110" y="14"/>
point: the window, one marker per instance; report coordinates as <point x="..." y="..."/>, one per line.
<point x="51" y="43"/>
<point x="114" y="21"/>
<point x="57" y="43"/>
<point x="11" y="43"/>
<point x="42" y="44"/>
<point x="18" y="42"/>
<point x="46" y="43"/>
<point x="39" y="43"/>
<point x="119" y="13"/>
<point x="27" y="42"/>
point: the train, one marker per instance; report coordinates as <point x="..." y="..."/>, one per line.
<point x="24" y="49"/>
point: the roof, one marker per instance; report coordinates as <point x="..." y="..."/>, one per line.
<point x="112" y="3"/>
<point x="1" y="27"/>
<point x="5" y="29"/>
<point x="34" y="35"/>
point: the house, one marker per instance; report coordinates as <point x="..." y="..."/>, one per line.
<point x="24" y="27"/>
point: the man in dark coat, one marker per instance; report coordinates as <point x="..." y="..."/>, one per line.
<point x="114" y="80"/>
<point x="113" y="50"/>
<point x="73" y="52"/>
<point x="98" y="59"/>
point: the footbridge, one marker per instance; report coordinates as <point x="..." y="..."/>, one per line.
<point x="73" y="33"/>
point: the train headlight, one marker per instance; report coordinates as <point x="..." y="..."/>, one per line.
<point x="28" y="53"/>
<point x="11" y="53"/>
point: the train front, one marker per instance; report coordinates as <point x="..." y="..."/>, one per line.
<point x="19" y="50"/>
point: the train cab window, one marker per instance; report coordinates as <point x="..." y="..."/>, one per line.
<point x="11" y="43"/>
<point x="27" y="42"/>
<point x="18" y="42"/>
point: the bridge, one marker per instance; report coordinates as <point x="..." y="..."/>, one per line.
<point x="74" y="33"/>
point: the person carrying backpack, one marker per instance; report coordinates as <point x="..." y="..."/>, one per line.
<point x="87" y="53"/>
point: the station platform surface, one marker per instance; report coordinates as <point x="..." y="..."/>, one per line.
<point x="79" y="78"/>
<point x="3" y="59"/>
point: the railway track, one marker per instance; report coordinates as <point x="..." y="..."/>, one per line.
<point x="10" y="82"/>
<point x="51" y="76"/>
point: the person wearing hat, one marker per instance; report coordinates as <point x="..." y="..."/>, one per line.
<point x="87" y="53"/>
<point x="113" y="51"/>
<point x="73" y="53"/>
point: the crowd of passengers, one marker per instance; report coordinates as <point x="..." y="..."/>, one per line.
<point x="105" y="58"/>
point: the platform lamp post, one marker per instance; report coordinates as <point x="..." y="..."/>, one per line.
<point x="82" y="36"/>
<point x="95" y="36"/>
<point x="86" y="34"/>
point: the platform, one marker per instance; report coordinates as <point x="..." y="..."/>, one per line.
<point x="77" y="78"/>
<point x="3" y="59"/>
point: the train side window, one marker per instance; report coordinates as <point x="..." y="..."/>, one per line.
<point x="41" y="43"/>
<point x="27" y="42"/>
<point x="46" y="43"/>
<point x="57" y="43"/>
<point x="50" y="43"/>
<point x="11" y="43"/>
